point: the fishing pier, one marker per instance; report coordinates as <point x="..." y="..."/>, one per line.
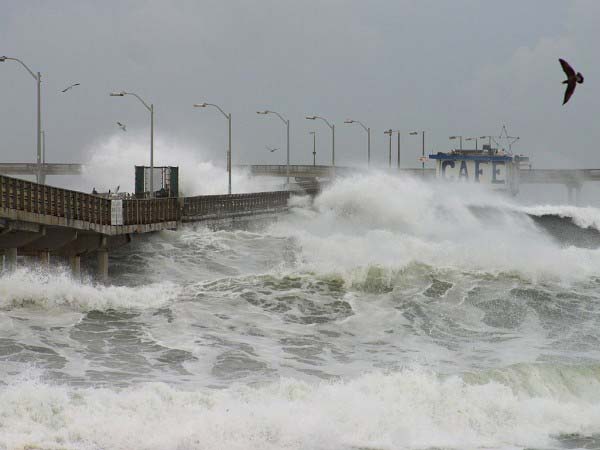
<point x="41" y="221"/>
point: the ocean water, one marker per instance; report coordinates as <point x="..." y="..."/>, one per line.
<point x="386" y="314"/>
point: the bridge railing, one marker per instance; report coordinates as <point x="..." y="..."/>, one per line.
<point x="295" y="170"/>
<point x="27" y="196"/>
<point x="223" y="205"/>
<point x="146" y="211"/>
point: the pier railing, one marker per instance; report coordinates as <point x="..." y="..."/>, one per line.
<point x="224" y="205"/>
<point x="27" y="201"/>
<point x="27" y="196"/>
<point x="146" y="211"/>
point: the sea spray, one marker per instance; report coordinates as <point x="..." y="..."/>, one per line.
<point x="413" y="408"/>
<point x="38" y="288"/>
<point x="379" y="219"/>
<point x="109" y="163"/>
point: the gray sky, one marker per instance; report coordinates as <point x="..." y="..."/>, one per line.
<point x="449" y="67"/>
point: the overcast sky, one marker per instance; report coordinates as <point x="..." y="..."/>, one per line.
<point x="448" y="67"/>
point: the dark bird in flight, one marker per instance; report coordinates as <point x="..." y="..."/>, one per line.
<point x="70" y="87"/>
<point x="572" y="79"/>
<point x="122" y="126"/>
<point x="271" y="149"/>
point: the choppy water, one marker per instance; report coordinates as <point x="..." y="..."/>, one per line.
<point x="388" y="315"/>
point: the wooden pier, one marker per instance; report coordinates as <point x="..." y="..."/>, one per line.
<point x="39" y="220"/>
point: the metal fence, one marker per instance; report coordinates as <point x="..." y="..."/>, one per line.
<point x="223" y="205"/>
<point x="30" y="197"/>
<point x="36" y="198"/>
<point x="145" y="211"/>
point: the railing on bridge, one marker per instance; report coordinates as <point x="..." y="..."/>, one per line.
<point x="223" y="205"/>
<point x="560" y="176"/>
<point x="46" y="168"/>
<point x="147" y="211"/>
<point x="30" y="197"/>
<point x="27" y="196"/>
<point x="295" y="170"/>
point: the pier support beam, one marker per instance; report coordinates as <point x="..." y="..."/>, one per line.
<point x="574" y="193"/>
<point x="103" y="264"/>
<point x="75" y="262"/>
<point x="44" y="257"/>
<point x="10" y="259"/>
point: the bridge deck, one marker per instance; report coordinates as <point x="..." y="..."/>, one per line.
<point x="46" y="168"/>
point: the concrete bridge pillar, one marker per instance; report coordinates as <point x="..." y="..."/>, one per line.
<point x="103" y="264"/>
<point x="574" y="193"/>
<point x="44" y="257"/>
<point x="10" y="259"/>
<point x="75" y="262"/>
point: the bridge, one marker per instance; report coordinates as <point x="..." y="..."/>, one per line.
<point x="315" y="171"/>
<point x="39" y="220"/>
<point x="40" y="171"/>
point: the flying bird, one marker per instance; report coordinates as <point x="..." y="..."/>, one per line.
<point x="70" y="87"/>
<point x="572" y="79"/>
<point x="122" y="126"/>
<point x="274" y="149"/>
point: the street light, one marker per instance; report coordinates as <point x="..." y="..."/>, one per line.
<point x="228" y="117"/>
<point x="332" y="135"/>
<point x="473" y="139"/>
<point x="390" y="132"/>
<point x="368" y="130"/>
<point x="457" y="137"/>
<point x="287" y="127"/>
<point x="489" y="138"/>
<point x="314" y="135"/>
<point x="415" y="133"/>
<point x="151" y="109"/>
<point x="38" y="78"/>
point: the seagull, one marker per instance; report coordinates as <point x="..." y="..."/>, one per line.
<point x="271" y="149"/>
<point x="122" y="126"/>
<point x="572" y="79"/>
<point x="70" y="87"/>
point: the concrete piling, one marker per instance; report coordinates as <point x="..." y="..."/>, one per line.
<point x="75" y="262"/>
<point x="10" y="259"/>
<point x="103" y="264"/>
<point x="44" y="257"/>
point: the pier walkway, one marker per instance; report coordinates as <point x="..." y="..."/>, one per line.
<point x="40" y="220"/>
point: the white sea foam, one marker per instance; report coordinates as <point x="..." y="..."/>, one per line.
<point x="408" y="409"/>
<point x="28" y="287"/>
<point x="110" y="163"/>
<point x="384" y="220"/>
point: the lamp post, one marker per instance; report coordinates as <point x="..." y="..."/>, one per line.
<point x="389" y="132"/>
<point x="368" y="130"/>
<point x="332" y="135"/>
<point x="415" y="133"/>
<point x="473" y="139"/>
<point x="38" y="78"/>
<point x="489" y="138"/>
<point x="314" y="135"/>
<point x="287" y="127"/>
<point x="228" y="117"/>
<point x="151" y="109"/>
<point x="398" y="131"/>
<point x="457" y="137"/>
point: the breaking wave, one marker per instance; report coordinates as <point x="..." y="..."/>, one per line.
<point x="110" y="163"/>
<point x="30" y="287"/>
<point x="521" y="406"/>
<point x="389" y="221"/>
